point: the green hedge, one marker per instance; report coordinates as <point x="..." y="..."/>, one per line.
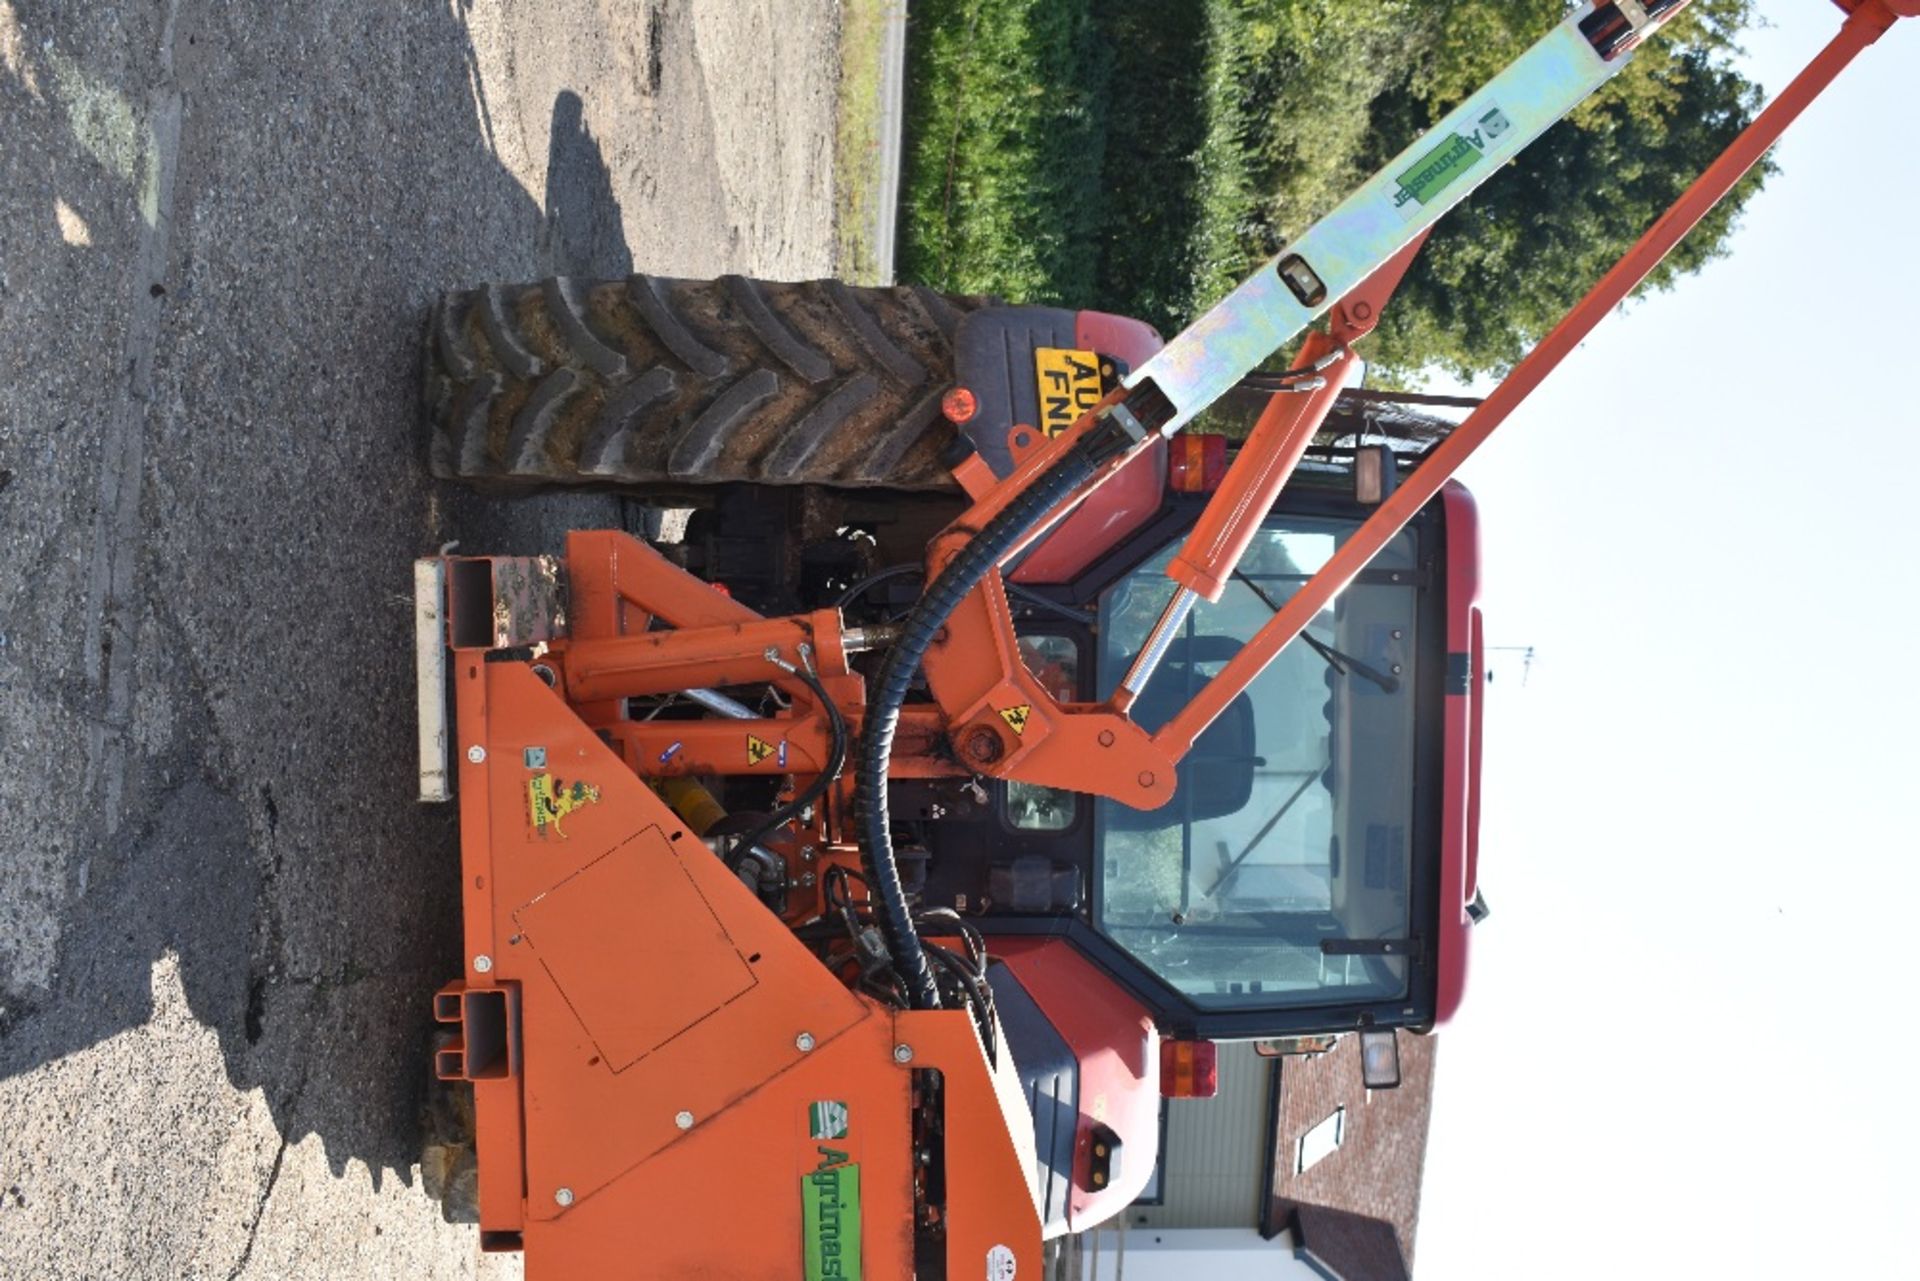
<point x="1142" y="156"/>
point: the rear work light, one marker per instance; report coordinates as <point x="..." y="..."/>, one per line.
<point x="959" y="405"/>
<point x="1196" y="462"/>
<point x="1189" y="1069"/>
<point x="1380" y="1058"/>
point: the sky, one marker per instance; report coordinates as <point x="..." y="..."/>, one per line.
<point x="1685" y="1049"/>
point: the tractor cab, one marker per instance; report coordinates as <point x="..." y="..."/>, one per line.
<point x="1312" y="873"/>
<point x="1281" y="875"/>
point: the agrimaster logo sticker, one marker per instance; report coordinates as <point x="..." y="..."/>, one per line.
<point x="827" y="1120"/>
<point x="1434" y="172"/>
<point x="830" y="1210"/>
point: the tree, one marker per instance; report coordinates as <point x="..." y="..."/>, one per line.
<point x="1300" y="100"/>
<point x="1504" y="267"/>
<point x="1143" y="158"/>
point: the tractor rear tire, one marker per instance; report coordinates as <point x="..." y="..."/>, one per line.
<point x="651" y="381"/>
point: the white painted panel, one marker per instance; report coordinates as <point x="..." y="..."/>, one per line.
<point x="1216" y="1151"/>
<point x="1186" y="1254"/>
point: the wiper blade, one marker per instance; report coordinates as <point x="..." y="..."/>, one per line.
<point x="1345" y="664"/>
<point x="1261" y="835"/>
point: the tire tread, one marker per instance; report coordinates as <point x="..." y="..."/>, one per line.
<point x="650" y="379"/>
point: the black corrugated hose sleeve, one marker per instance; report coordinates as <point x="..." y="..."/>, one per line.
<point x="962" y="574"/>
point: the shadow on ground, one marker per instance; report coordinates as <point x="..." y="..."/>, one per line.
<point x="328" y="185"/>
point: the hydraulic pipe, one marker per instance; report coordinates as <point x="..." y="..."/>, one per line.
<point x="1266" y="460"/>
<point x="1159" y="641"/>
<point x="719" y="704"/>
<point x="1865" y="25"/>
<point x="671" y="661"/>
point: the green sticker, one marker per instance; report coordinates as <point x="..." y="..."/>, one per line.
<point x="1436" y="170"/>
<point x="830" y="1204"/>
<point x="827" y="1120"/>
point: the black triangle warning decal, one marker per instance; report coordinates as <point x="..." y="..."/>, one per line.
<point x="758" y="749"/>
<point x="1016" y="717"/>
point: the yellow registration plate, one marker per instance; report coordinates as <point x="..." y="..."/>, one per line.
<point x="1069" y="383"/>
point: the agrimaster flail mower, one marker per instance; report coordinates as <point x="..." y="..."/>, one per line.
<point x="847" y="878"/>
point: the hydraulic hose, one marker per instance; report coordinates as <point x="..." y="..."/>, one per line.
<point x="962" y="574"/>
<point x="836" y="759"/>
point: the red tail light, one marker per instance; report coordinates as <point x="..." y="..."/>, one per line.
<point x="1196" y="462"/>
<point x="959" y="405"/>
<point x="1189" y="1069"/>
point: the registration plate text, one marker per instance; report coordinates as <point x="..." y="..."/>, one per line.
<point x="1069" y="385"/>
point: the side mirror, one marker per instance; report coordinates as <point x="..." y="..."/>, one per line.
<point x="1376" y="474"/>
<point x="1380" y="1058"/>
<point x="1301" y="1046"/>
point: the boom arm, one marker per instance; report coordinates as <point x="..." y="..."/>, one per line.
<point x="1868" y="21"/>
<point x="1349" y="263"/>
<point x="1240" y="321"/>
<point x="989" y="715"/>
<point x="1360" y="237"/>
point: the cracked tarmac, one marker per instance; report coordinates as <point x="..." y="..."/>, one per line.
<point x="221" y="912"/>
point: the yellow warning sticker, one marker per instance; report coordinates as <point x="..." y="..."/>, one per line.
<point x="758" y="749"/>
<point x="1016" y="716"/>
<point x="550" y="799"/>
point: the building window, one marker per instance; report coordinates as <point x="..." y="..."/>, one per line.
<point x="1320" y="1142"/>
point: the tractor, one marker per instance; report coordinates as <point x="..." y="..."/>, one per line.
<point x="989" y="710"/>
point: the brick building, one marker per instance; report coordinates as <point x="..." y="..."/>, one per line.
<point x="1293" y="1169"/>
<point x="1352" y="1199"/>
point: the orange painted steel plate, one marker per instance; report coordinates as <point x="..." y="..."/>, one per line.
<point x="679" y="1047"/>
<point x="637" y="884"/>
<point x="725" y="1198"/>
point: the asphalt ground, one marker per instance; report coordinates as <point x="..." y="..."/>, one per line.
<point x="222" y="912"/>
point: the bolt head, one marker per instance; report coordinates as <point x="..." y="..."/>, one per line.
<point x="804" y="1042"/>
<point x="903" y="1054"/>
<point x="482" y="963"/>
<point x="683" y="1119"/>
<point x="983" y="744"/>
<point x="563" y="1197"/>
<point x="476" y="753"/>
